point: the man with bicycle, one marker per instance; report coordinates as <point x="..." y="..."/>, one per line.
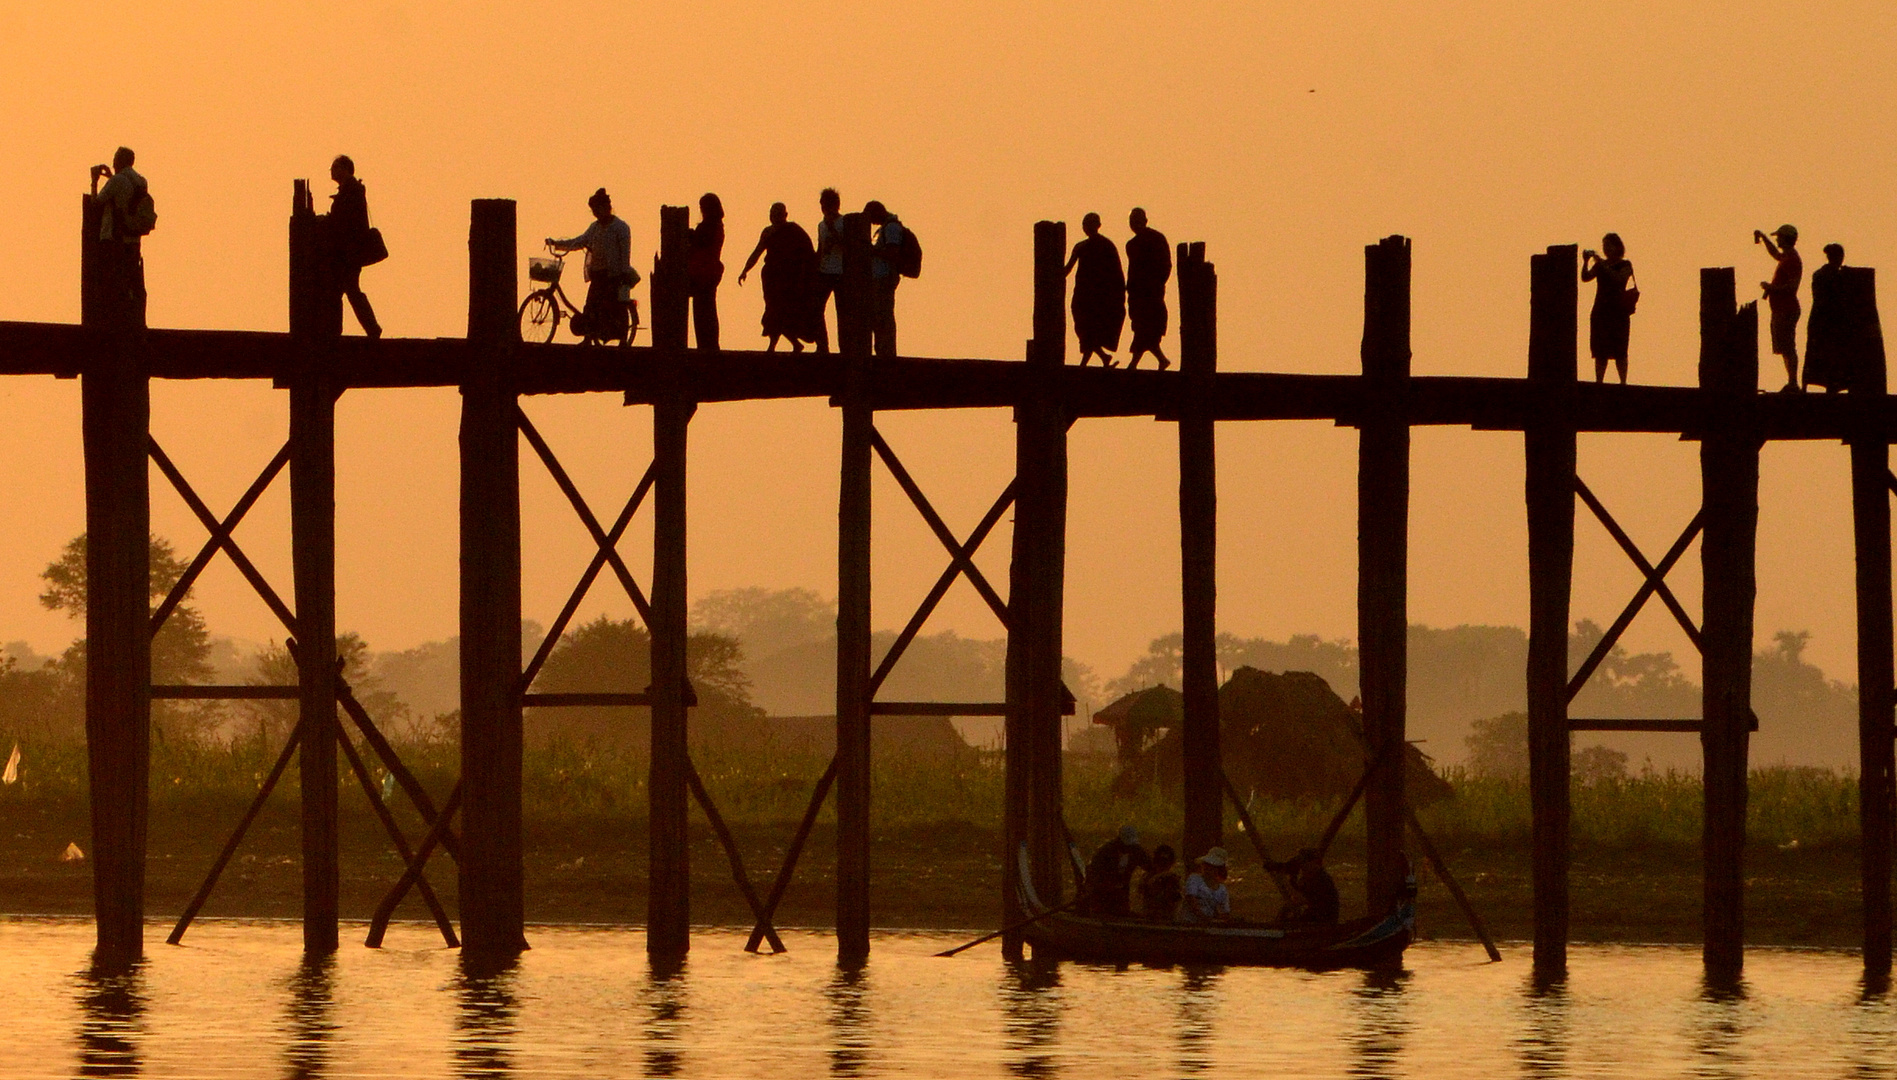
<point x="609" y="273"/>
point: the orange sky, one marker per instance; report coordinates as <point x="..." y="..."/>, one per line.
<point x="1285" y="136"/>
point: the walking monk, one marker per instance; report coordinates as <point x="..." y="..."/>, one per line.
<point x="1148" y="269"/>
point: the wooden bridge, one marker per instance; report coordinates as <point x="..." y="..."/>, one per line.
<point x="479" y="823"/>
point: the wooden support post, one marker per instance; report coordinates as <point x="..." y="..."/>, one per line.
<point x="854" y="326"/>
<point x="1870" y="511"/>
<point x="315" y="324"/>
<point x="668" y="904"/>
<point x="493" y="904"/>
<point x="1729" y="473"/>
<point x="1383" y="500"/>
<point x="1198" y="549"/>
<point x="116" y="410"/>
<point x="1549" y="452"/>
<point x="1035" y="598"/>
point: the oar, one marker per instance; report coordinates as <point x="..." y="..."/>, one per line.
<point x="1011" y="929"/>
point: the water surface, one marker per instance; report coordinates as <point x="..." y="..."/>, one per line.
<point x="236" y="1001"/>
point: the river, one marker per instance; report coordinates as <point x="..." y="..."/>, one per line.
<point x="236" y="1001"/>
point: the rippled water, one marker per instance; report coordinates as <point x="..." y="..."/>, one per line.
<point x="236" y="1001"/>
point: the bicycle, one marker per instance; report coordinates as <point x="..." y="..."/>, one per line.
<point x="541" y="312"/>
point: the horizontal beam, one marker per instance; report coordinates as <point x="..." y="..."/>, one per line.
<point x="569" y="701"/>
<point x="214" y="692"/>
<point x="1489" y="404"/>
<point x="951" y="708"/>
<point x="1692" y="727"/>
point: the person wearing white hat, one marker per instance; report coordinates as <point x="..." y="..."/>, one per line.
<point x="1206" y="898"/>
<point x="1781" y="295"/>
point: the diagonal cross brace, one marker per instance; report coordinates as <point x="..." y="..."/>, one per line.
<point x="219" y="534"/>
<point x="723" y="832"/>
<point x="940" y="528"/>
<point x="222" y="536"/>
<point x="552" y="637"/>
<point x="961" y="556"/>
<point x="1655" y="583"/>
<point x="781" y="883"/>
<point x="565" y="482"/>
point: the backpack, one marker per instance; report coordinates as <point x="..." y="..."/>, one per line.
<point x="909" y="256"/>
<point x="142" y="216"/>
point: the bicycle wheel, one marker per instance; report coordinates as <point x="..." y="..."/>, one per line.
<point x="539" y="316"/>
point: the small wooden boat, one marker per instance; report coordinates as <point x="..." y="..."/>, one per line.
<point x="1370" y="942"/>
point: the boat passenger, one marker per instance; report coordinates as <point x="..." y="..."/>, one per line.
<point x="1159" y="889"/>
<point x="1110" y="873"/>
<point x="1205" y="897"/>
<point x="1316" y="901"/>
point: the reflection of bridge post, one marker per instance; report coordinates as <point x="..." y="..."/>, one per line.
<point x="668" y="904"/>
<point x="492" y="892"/>
<point x="315" y="324"/>
<point x="1870" y="504"/>
<point x="116" y="408"/>
<point x="1729" y="473"/>
<point x="1198" y="547"/>
<point x="1383" y="504"/>
<point x="1549" y="452"/>
<point x="854" y="328"/>
<point x="1035" y="593"/>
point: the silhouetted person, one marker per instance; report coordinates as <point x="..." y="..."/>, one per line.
<point x="885" y="273"/>
<point x="829" y="260"/>
<point x="1110" y="873"/>
<point x="789" y="270"/>
<point x="1781" y="294"/>
<point x="1316" y="902"/>
<point x="1099" y="303"/>
<point x="1206" y="899"/>
<point x="1611" y="320"/>
<point x="1159" y="889"/>
<point x="1828" y="333"/>
<point x="1148" y="269"/>
<point x="609" y="276"/>
<point x="349" y="240"/>
<point x="704" y="269"/>
<point x="121" y="234"/>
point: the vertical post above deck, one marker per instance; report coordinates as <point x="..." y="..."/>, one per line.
<point x="1198" y="548"/>
<point x="1383" y="501"/>
<point x="315" y="324"/>
<point x="1729" y="475"/>
<point x="1549" y="454"/>
<point x="116" y="412"/>
<point x="1870" y="512"/>
<point x="668" y="904"/>
<point x="853" y="599"/>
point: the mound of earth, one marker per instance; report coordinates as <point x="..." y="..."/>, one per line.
<point x="1285" y="736"/>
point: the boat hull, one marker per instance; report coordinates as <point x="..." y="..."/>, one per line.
<point x="1360" y="943"/>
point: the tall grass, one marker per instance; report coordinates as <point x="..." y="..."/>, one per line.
<point x="1788" y="807"/>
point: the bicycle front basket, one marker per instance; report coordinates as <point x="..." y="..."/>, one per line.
<point x="546" y="270"/>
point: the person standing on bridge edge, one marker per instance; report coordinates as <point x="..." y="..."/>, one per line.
<point x="1828" y="344"/>
<point x="127" y="217"/>
<point x="1610" y="322"/>
<point x="789" y="270"/>
<point x="1781" y="294"/>
<point x="609" y="274"/>
<point x="704" y="269"/>
<point x="829" y="260"/>
<point x="885" y="273"/>
<point x="349" y="240"/>
<point x="1148" y="269"/>
<point x="1099" y="303"/>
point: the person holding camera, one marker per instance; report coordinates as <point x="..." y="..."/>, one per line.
<point x="1610" y="323"/>
<point x="1781" y="295"/>
<point x="127" y="217"/>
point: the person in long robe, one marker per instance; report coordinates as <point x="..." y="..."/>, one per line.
<point x="1099" y="304"/>
<point x="1148" y="269"/>
<point x="704" y="269"/>
<point x="789" y="264"/>
<point x="1828" y="330"/>
<point x="1610" y="321"/>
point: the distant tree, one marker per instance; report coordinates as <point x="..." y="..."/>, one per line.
<point x="271" y="720"/>
<point x="1498" y="747"/>
<point x="766" y="621"/>
<point x="615" y="656"/>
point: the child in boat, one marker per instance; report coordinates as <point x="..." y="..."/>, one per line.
<point x="1159" y="889"/>
<point x="1205" y="897"/>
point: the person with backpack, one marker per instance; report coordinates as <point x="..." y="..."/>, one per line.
<point x="352" y="244"/>
<point x="894" y="254"/>
<point x="129" y="216"/>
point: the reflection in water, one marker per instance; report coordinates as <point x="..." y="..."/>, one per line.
<point x="1718" y="1023"/>
<point x="1030" y="1007"/>
<point x="486" y="1021"/>
<point x="312" y="1025"/>
<point x="111" y="1009"/>
<point x="1381" y="1024"/>
<point x="1873" y="1041"/>
<point x="1198" y="1011"/>
<point x="665" y="999"/>
<point x="849" y="994"/>
<point x="1543" y="1043"/>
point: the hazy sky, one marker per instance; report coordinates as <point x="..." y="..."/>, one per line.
<point x="1286" y="136"/>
